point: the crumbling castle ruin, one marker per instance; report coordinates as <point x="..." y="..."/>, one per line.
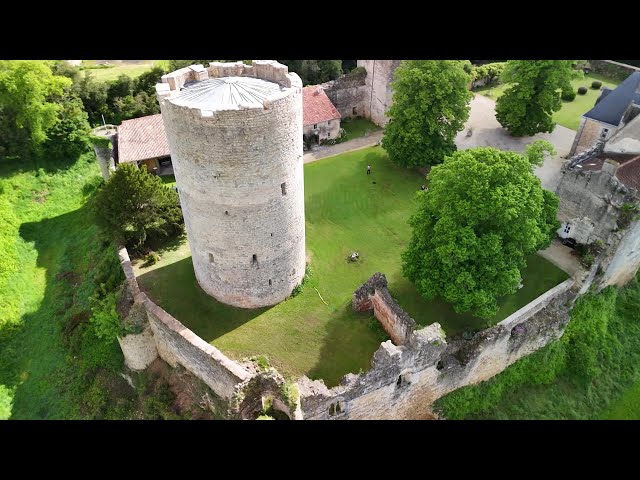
<point x="598" y="191"/>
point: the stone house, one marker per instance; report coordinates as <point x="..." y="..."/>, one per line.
<point x="143" y="141"/>
<point x="321" y="119"/>
<point x="612" y="111"/>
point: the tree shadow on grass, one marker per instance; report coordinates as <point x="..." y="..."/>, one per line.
<point x="174" y="287"/>
<point x="349" y="344"/>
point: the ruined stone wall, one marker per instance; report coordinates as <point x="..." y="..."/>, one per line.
<point x="594" y="195"/>
<point x="404" y="381"/>
<point x="378" y="83"/>
<point x="621" y="263"/>
<point x="239" y="174"/>
<point x="163" y="335"/>
<point x="616" y="70"/>
<point x="348" y="94"/>
<point x="374" y="295"/>
<point x="178" y="345"/>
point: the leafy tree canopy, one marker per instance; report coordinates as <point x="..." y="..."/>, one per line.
<point x="313" y="72"/>
<point x="483" y="212"/>
<point x="26" y="107"/>
<point x="527" y="106"/>
<point x="134" y="205"/>
<point x="430" y="106"/>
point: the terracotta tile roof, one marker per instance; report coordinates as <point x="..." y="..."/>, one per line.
<point x="142" y="138"/>
<point x="629" y="173"/>
<point x="316" y="106"/>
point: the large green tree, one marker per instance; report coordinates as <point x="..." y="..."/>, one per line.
<point x="27" y="110"/>
<point x="527" y="106"/>
<point x="430" y="106"/>
<point x="134" y="205"/>
<point x="483" y="212"/>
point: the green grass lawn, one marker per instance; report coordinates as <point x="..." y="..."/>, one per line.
<point x="131" y="69"/>
<point x="571" y="112"/>
<point x="627" y="407"/>
<point x="169" y="180"/>
<point x="346" y="211"/>
<point x="358" y="127"/>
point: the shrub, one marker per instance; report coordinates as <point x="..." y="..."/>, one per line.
<point x="596" y="85"/>
<point x="568" y="95"/>
<point x="582" y="90"/>
<point x="587" y="260"/>
<point x="151" y="258"/>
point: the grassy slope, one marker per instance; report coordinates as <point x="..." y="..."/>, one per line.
<point x="571" y="112"/>
<point x="36" y="373"/>
<point x="345" y="212"/>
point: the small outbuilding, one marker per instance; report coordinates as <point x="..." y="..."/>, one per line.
<point x="143" y="141"/>
<point x="321" y="119"/>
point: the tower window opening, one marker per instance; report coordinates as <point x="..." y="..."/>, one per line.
<point x="283" y="187"/>
<point x="254" y="259"/>
<point x="269" y="282"/>
<point x="272" y="234"/>
<point x="211" y="259"/>
<point x="226" y="212"/>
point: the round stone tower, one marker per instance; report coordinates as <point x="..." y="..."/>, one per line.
<point x="235" y="137"/>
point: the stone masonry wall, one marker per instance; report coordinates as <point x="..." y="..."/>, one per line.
<point x="175" y="343"/>
<point x="621" y="264"/>
<point x="374" y="295"/>
<point x="617" y="70"/>
<point x="378" y="83"/>
<point x="592" y="194"/>
<point x="348" y="94"/>
<point x="328" y="129"/>
<point x="404" y="381"/>
<point x="178" y="345"/>
<point x="239" y="174"/>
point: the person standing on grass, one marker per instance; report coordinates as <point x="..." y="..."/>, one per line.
<point x="368" y="169"/>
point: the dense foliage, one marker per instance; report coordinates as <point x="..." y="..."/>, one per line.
<point x="483" y="212"/>
<point x="430" y="106"/>
<point x="134" y="205"/>
<point x="577" y="377"/>
<point x="527" y="106"/>
<point x="120" y="99"/>
<point x="313" y="72"/>
<point x="28" y="106"/>
<point x="490" y="72"/>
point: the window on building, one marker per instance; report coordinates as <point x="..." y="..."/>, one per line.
<point x="354" y="111"/>
<point x="211" y="259"/>
<point x="567" y="228"/>
<point x="283" y="187"/>
<point x="328" y="134"/>
<point x="254" y="259"/>
<point x="604" y="133"/>
<point x="315" y="125"/>
<point x="329" y="122"/>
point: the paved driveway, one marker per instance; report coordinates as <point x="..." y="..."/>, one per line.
<point x="486" y="131"/>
